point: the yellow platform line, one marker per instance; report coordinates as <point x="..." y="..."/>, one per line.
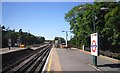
<point x="49" y="65"/>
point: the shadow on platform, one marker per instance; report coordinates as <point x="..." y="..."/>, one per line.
<point x="116" y="65"/>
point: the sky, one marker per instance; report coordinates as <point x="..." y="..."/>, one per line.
<point x="39" y="18"/>
<point x="59" y="0"/>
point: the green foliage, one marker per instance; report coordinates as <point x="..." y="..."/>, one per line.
<point x="107" y="24"/>
<point x="110" y="54"/>
<point x="73" y="42"/>
<point x="60" y="40"/>
<point x="19" y="37"/>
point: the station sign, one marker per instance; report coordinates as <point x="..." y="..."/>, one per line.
<point x="94" y="44"/>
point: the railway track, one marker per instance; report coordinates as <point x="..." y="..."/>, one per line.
<point x="31" y="63"/>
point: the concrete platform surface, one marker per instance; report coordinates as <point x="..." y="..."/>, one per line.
<point x="12" y="49"/>
<point x="53" y="63"/>
<point x="72" y="60"/>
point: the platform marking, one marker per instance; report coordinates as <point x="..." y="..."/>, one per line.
<point x="46" y="61"/>
<point x="49" y="65"/>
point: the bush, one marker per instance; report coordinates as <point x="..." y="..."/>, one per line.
<point x="110" y="54"/>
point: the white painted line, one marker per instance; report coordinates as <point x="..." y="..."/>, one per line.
<point x="46" y="62"/>
<point x="91" y="65"/>
<point x="95" y="67"/>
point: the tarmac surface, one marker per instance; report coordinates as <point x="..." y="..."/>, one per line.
<point x="74" y="60"/>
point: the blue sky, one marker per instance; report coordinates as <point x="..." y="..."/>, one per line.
<point x="39" y="18"/>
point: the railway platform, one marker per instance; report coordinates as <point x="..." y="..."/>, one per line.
<point x="76" y="61"/>
<point x="13" y="49"/>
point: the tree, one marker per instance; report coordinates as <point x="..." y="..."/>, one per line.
<point x="80" y="23"/>
<point x="107" y="24"/>
<point x="26" y="38"/>
<point x="20" y="30"/>
<point x="3" y="27"/>
<point x="60" y="40"/>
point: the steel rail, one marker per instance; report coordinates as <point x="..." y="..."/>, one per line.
<point x="31" y="62"/>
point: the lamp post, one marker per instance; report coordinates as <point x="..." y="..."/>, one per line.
<point x="66" y="34"/>
<point x="103" y="8"/>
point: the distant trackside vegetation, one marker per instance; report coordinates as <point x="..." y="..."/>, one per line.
<point x="19" y="37"/>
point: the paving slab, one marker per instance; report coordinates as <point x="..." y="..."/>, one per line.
<point x="53" y="62"/>
<point x="72" y="60"/>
